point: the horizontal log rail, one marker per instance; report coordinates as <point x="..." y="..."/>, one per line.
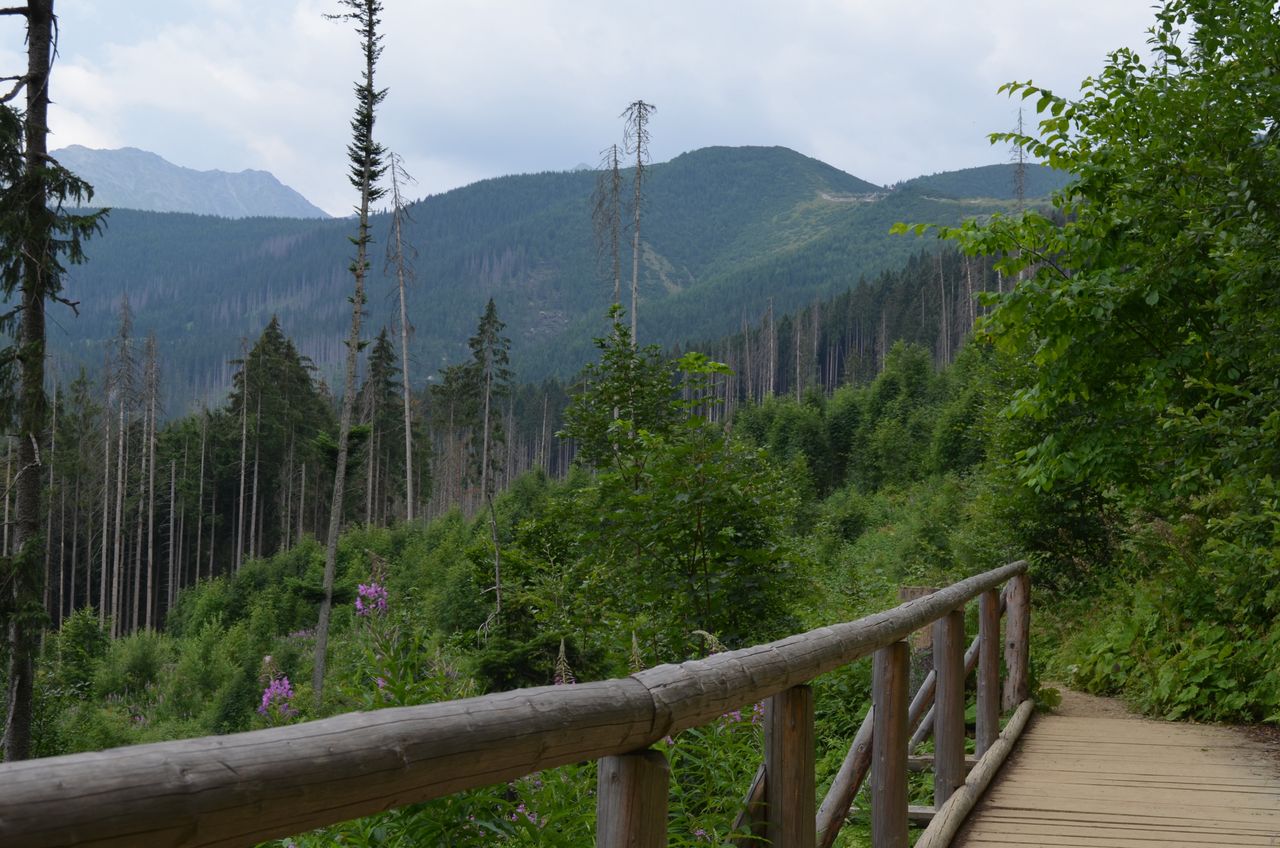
<point x="883" y="744"/>
<point x="244" y="788"/>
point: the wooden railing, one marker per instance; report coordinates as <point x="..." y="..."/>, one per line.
<point x="247" y="787"/>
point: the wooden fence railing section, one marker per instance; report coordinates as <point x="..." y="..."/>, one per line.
<point x="244" y="788"/>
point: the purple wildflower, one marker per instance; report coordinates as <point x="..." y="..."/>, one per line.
<point x="275" y="700"/>
<point x="371" y="598"/>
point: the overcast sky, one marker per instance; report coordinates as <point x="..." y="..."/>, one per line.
<point x="883" y="89"/>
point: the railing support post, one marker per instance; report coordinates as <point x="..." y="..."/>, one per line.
<point x="1017" y="642"/>
<point x="988" y="724"/>
<point x="948" y="721"/>
<point x="631" y="800"/>
<point x="889" y="686"/>
<point x="790" y="791"/>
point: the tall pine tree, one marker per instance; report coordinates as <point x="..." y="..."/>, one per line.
<point x="367" y="168"/>
<point x="36" y="235"/>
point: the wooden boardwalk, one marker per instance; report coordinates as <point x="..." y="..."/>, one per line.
<point x="1093" y="775"/>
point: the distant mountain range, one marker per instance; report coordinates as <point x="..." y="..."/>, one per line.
<point x="727" y="231"/>
<point x="130" y="178"/>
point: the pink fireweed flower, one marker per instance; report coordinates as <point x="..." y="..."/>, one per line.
<point x="275" y="700"/>
<point x="371" y="599"/>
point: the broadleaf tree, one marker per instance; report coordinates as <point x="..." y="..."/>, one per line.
<point x="1147" y="303"/>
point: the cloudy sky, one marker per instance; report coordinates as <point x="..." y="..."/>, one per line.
<point x="883" y="89"/>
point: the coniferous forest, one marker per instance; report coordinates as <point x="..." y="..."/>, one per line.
<point x="1082" y="374"/>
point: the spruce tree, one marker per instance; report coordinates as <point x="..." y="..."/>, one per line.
<point x="491" y="377"/>
<point x="367" y="167"/>
<point x="36" y="235"/>
<point x="378" y="408"/>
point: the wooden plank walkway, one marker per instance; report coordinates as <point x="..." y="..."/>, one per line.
<point x="1093" y="775"/>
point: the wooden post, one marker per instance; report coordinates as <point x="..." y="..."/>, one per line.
<point x="1017" y="642"/>
<point x="988" y="670"/>
<point x="750" y="821"/>
<point x="948" y="819"/>
<point x="835" y="807"/>
<point x="948" y="721"/>
<point x="889" y="687"/>
<point x="789" y="787"/>
<point x="631" y="801"/>
<point x="922" y="728"/>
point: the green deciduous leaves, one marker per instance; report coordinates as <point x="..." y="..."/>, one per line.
<point x="1147" y="303"/>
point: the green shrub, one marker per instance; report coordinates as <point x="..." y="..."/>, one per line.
<point x="132" y="664"/>
<point x="80" y="645"/>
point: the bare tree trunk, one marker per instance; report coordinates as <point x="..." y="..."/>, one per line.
<point x="48" y="525"/>
<point x="773" y="353"/>
<point x="106" y="517"/>
<point x="244" y="450"/>
<point x="173" y="492"/>
<point x="8" y="490"/>
<point x="213" y="528"/>
<point x="204" y="432"/>
<point x="118" y="564"/>
<point x="254" y="551"/>
<point x="944" y="324"/>
<point x="153" y="389"/>
<point x="134" y="620"/>
<point x="968" y="292"/>
<point x="302" y="501"/>
<point x="637" y="133"/>
<point x="484" y="442"/>
<point x="817" y="331"/>
<point x="402" y="273"/>
<point x="62" y="551"/>
<point x="286" y="526"/>
<point x="371" y="461"/>
<point x="75" y="547"/>
<point x="542" y="439"/>
<point x="497" y="562"/>
<point x="796" y="327"/>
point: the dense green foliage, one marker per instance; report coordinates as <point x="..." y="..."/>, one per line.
<point x="1151" y="318"/>
<point x="682" y="541"/>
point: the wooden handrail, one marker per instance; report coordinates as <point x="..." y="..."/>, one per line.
<point x="853" y="771"/>
<point x="248" y="787"/>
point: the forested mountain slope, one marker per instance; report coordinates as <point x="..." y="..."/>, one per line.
<point x="725" y="230"/>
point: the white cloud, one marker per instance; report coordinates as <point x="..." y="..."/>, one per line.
<point x="482" y="87"/>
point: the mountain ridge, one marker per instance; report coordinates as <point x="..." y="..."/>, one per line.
<point x="727" y="232"/>
<point x="132" y="178"/>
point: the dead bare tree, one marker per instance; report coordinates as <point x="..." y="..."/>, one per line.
<point x="606" y="215"/>
<point x="401" y="255"/>
<point x="636" y="142"/>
